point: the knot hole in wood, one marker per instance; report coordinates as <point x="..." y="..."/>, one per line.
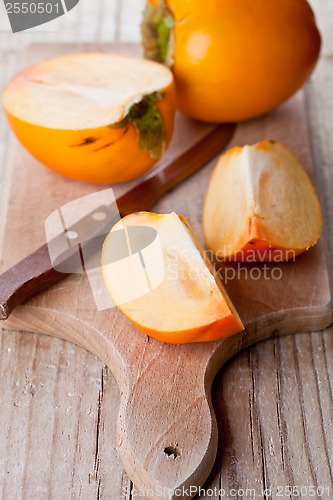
<point x="172" y="451"/>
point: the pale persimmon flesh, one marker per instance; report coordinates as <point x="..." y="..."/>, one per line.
<point x="260" y="206"/>
<point x="232" y="59"/>
<point x="95" y="117"/>
<point x="156" y="272"/>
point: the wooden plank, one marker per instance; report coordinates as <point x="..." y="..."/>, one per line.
<point x="323" y="10"/>
<point x="130" y="32"/>
<point x="58" y="395"/>
<point x="281" y="392"/>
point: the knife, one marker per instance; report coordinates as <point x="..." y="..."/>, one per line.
<point x="36" y="272"/>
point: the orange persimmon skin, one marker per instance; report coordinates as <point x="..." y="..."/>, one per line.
<point x="258" y="250"/>
<point x="255" y="246"/>
<point x="219" y="330"/>
<point x="100" y="155"/>
<point x="237" y="59"/>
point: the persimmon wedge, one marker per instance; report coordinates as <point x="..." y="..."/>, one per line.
<point x="156" y="272"/>
<point x="260" y="205"/>
<point x="95" y="117"/>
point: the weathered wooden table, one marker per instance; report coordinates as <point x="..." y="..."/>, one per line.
<point x="274" y="402"/>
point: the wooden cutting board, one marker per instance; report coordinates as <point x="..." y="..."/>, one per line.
<point x="166" y="430"/>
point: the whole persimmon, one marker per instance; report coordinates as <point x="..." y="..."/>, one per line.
<point x="94" y="117"/>
<point x="232" y="59"/>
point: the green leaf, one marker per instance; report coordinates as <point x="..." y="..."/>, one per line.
<point x="157" y="33"/>
<point x="147" y="119"/>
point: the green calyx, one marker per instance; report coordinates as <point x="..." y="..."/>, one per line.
<point x="157" y="33"/>
<point x="147" y="119"/>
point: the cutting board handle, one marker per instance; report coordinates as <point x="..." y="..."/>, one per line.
<point x="167" y="431"/>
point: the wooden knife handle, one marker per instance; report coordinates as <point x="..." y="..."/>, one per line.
<point x="37" y="271"/>
<point x="25" y="279"/>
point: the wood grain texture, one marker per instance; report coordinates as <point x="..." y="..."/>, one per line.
<point x="236" y="392"/>
<point x="166" y="429"/>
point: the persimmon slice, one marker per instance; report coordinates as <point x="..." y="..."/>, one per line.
<point x="93" y="116"/>
<point x="157" y="273"/>
<point x="260" y="205"/>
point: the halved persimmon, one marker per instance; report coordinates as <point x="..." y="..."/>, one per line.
<point x="156" y="271"/>
<point x="95" y="117"/>
<point x="260" y="205"/>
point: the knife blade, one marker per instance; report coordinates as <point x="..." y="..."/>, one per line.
<point x="36" y="272"/>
